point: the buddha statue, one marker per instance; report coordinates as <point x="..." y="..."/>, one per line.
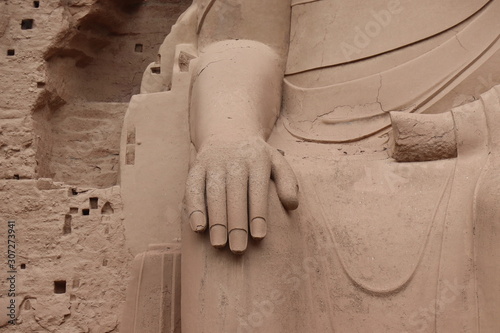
<point x="343" y="171"/>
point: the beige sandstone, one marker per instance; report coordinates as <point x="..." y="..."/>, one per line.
<point x="65" y="85"/>
<point x="395" y="225"/>
<point x="288" y="166"/>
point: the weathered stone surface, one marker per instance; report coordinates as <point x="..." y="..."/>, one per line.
<point x="66" y="78"/>
<point x="76" y="52"/>
<point x="56" y="241"/>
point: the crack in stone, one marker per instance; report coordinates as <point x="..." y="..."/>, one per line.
<point x="378" y="93"/>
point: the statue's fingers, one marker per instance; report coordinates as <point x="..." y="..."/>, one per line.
<point x="195" y="198"/>
<point x="258" y="184"/>
<point x="216" y="202"/>
<point x="237" y="210"/>
<point x="286" y="182"/>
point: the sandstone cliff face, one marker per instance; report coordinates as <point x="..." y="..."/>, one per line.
<point x="67" y="71"/>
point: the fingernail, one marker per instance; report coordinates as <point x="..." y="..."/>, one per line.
<point x="258" y="228"/>
<point x="197" y="221"/>
<point x="291" y="204"/>
<point x="238" y="239"/>
<point x="218" y="235"/>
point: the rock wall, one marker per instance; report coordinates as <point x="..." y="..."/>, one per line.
<point x="67" y="71"/>
<point x="71" y="262"/>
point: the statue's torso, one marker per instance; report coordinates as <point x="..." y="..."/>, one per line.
<point x="398" y="243"/>
<point x="350" y="63"/>
<point x="388" y="246"/>
<point x="327" y="32"/>
<point x="375" y="246"/>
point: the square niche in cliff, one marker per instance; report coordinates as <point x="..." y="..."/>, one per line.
<point x="11" y="52"/>
<point x="36" y="4"/>
<point x="94" y="203"/>
<point x="60" y="287"/>
<point x="27" y="24"/>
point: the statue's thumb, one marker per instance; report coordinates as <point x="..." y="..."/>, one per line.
<point x="286" y="182"/>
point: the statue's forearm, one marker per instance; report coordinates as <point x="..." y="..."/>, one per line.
<point x="237" y="84"/>
<point x="236" y="91"/>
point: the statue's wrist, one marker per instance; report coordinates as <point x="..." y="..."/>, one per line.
<point x="227" y="138"/>
<point x="229" y="129"/>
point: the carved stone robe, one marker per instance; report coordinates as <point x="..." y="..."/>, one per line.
<point x="375" y="245"/>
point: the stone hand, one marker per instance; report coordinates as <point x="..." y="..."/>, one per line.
<point x="229" y="180"/>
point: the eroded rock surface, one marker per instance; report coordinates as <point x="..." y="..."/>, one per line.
<point x="67" y="72"/>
